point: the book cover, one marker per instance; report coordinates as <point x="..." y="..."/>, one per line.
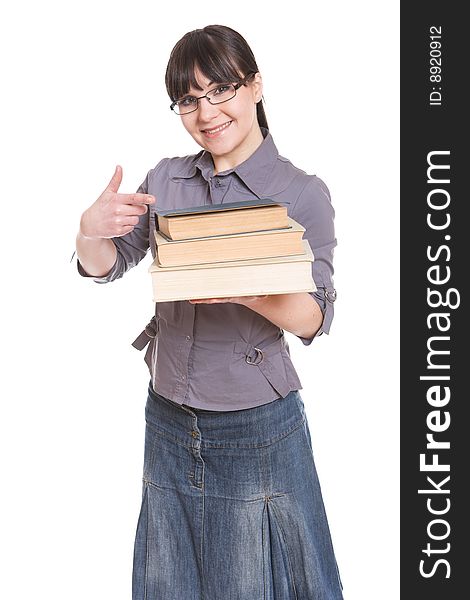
<point x="207" y="208"/>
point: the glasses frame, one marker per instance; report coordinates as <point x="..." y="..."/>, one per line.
<point x="235" y="85"/>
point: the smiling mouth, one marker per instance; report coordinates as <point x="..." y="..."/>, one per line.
<point x="217" y="129"/>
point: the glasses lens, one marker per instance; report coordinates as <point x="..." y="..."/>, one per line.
<point x="222" y="93"/>
<point x="185" y="105"/>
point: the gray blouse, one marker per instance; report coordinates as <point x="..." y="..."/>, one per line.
<point x="208" y="355"/>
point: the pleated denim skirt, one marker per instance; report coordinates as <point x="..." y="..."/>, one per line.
<point x="231" y="506"/>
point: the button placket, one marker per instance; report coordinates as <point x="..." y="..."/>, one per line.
<point x="196" y="435"/>
<point x="197" y="474"/>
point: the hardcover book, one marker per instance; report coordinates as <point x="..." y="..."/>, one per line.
<point x="217" y="219"/>
<point x="259" y="276"/>
<point x="230" y="247"/>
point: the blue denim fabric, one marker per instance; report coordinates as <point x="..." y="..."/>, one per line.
<point x="231" y="506"/>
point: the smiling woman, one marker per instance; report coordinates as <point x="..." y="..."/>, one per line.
<point x="231" y="503"/>
<point x="228" y="130"/>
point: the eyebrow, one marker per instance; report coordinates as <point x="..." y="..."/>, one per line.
<point x="208" y="85"/>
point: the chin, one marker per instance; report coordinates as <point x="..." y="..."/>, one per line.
<point x="219" y="147"/>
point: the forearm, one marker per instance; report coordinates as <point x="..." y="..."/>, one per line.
<point x="96" y="255"/>
<point x="296" y="313"/>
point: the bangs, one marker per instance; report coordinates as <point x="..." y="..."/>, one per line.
<point x="216" y="58"/>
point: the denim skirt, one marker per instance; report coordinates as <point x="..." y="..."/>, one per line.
<point x="231" y="506"/>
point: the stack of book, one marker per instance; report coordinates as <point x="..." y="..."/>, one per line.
<point x="236" y="249"/>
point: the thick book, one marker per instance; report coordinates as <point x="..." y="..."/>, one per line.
<point x="278" y="275"/>
<point x="217" y="219"/>
<point x="237" y="246"/>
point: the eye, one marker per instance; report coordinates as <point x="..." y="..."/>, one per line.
<point x="222" y="89"/>
<point x="187" y="101"/>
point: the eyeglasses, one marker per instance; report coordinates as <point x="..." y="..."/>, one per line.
<point x="219" y="94"/>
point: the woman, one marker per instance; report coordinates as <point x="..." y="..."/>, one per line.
<point x="231" y="504"/>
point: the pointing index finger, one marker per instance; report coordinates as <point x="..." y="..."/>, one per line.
<point x="140" y="199"/>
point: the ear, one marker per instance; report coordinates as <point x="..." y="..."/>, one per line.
<point x="257" y="85"/>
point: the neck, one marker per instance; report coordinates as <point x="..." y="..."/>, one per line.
<point x="223" y="162"/>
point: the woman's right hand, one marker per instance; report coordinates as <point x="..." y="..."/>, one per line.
<point x="114" y="214"/>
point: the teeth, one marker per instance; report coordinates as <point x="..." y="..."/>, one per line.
<point x="217" y="128"/>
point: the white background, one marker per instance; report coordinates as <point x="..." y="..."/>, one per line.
<point x="83" y="90"/>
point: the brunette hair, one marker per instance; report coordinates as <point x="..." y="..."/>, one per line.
<point x="220" y="53"/>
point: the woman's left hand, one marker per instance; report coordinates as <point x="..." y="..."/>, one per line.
<point x="234" y="299"/>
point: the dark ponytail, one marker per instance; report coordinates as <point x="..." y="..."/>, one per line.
<point x="262" y="121"/>
<point x="220" y="53"/>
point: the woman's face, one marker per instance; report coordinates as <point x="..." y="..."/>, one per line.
<point x="230" y="130"/>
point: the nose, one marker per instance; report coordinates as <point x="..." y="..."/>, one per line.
<point x="206" y="110"/>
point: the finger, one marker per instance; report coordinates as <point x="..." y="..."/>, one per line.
<point x="120" y="231"/>
<point x="125" y="220"/>
<point x="116" y="179"/>
<point x="142" y="199"/>
<point x="209" y="301"/>
<point x="136" y="198"/>
<point x="123" y="231"/>
<point x="129" y="210"/>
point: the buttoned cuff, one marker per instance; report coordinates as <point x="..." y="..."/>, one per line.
<point x="325" y="298"/>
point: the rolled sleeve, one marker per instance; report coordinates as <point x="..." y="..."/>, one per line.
<point x="117" y="270"/>
<point x="131" y="248"/>
<point x="313" y="210"/>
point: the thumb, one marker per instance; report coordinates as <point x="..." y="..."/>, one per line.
<point x="116" y="179"/>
